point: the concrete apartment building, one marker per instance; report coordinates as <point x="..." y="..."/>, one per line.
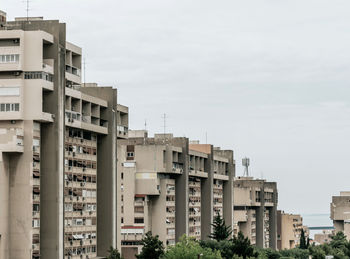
<point x="289" y="227"/>
<point x="340" y="213"/>
<point x="172" y="186"/>
<point x="255" y="210"/>
<point x="58" y="143"/>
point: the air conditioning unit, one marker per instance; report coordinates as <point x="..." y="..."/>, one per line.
<point x="16" y="41"/>
<point x="16" y="73"/>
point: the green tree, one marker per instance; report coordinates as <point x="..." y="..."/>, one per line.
<point x="302" y="242"/>
<point x="188" y="248"/>
<point x="296" y="253"/>
<point x="242" y="246"/>
<point x="220" y="230"/>
<point x="113" y="253"/>
<point x="271" y="254"/>
<point x="225" y="247"/>
<point x="152" y="247"/>
<point x="317" y="252"/>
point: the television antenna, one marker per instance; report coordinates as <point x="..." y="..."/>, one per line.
<point x="164" y="122"/>
<point x="246" y="163"/>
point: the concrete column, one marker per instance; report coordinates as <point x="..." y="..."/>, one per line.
<point x="52" y="154"/>
<point x="181" y="194"/>
<point x="207" y="198"/>
<point x="273" y="227"/>
<point x="260" y="226"/>
<point x="4" y="199"/>
<point x="228" y="190"/>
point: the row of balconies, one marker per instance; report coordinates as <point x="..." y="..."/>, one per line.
<point x="81" y="170"/>
<point x="81" y="141"/>
<point x="91" y="228"/>
<point x="79" y="214"/>
<point x="78" y="243"/>
<point x="83" y="185"/>
<point x="71" y="198"/>
<point x="71" y="154"/>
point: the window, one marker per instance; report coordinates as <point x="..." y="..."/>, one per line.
<point x="12" y="58"/>
<point x="138" y="221"/>
<point x="38" y="75"/>
<point x="9" y="91"/>
<point x="9" y="107"/>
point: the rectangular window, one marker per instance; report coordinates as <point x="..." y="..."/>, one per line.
<point x="138" y="221"/>
<point x="38" y="75"/>
<point x="13" y="58"/>
<point x="9" y="107"/>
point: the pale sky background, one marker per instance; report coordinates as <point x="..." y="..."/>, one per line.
<point x="269" y="79"/>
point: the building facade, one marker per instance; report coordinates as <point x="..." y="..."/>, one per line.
<point x="340" y="213"/>
<point x="289" y="228"/>
<point x="58" y="146"/>
<point x="172" y="187"/>
<point x="255" y="210"/>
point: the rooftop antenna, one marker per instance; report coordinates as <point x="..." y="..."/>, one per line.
<point x="206" y="137"/>
<point x="145" y="124"/>
<point x="246" y="163"/>
<point x="164" y="122"/>
<point x="27" y="9"/>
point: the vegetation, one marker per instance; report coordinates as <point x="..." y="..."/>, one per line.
<point x="222" y="247"/>
<point x="152" y="247"/>
<point x="188" y="248"/>
<point x="220" y="230"/>
<point x="303" y="243"/>
<point x="113" y="253"/>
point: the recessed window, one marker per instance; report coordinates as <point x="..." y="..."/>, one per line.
<point x="9" y="107"/>
<point x="12" y="58"/>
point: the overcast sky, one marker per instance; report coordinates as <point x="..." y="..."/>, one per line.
<point x="269" y="79"/>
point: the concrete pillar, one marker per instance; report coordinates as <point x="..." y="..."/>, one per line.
<point x="207" y="197"/>
<point x="260" y="226"/>
<point x="273" y="227"/>
<point x="52" y="154"/>
<point x="181" y="194"/>
<point x="228" y="190"/>
<point x="4" y="199"/>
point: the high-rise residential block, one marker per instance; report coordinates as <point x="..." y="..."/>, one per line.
<point x="340" y="213"/>
<point x="58" y="146"/>
<point x="172" y="186"/>
<point x="255" y="210"/>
